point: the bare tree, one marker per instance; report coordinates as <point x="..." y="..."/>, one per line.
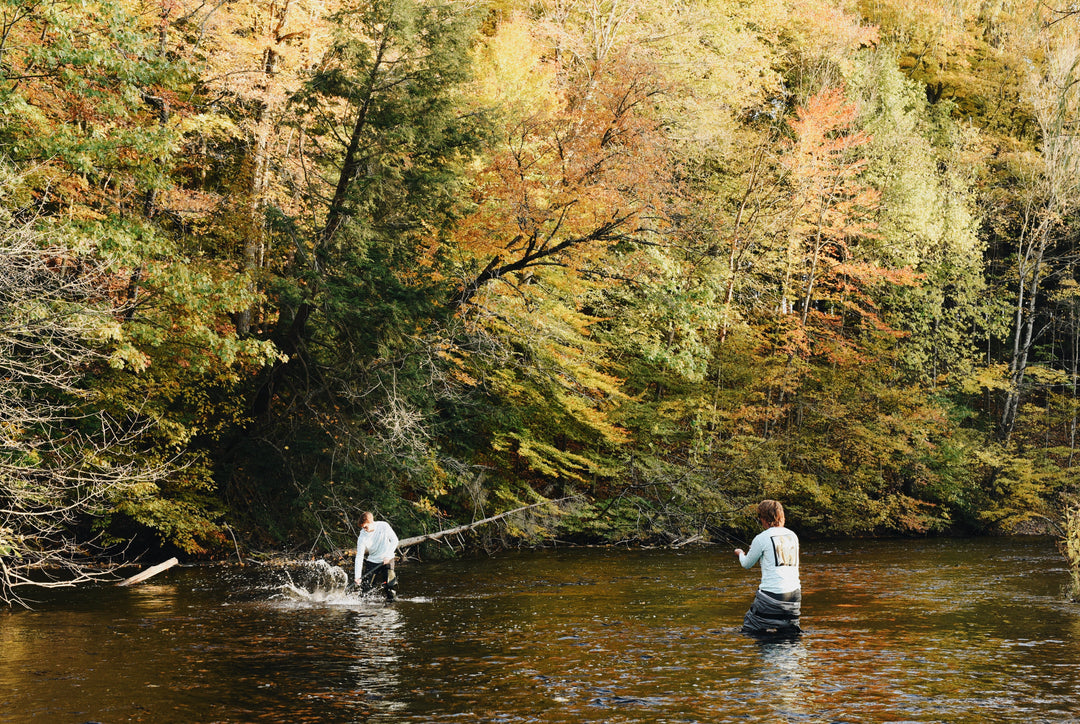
<point x="62" y="458"/>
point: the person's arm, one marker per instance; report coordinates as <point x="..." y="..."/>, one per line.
<point x="751" y="557"/>
<point x="392" y="540"/>
<point x="358" y="567"/>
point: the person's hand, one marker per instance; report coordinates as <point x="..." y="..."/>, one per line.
<point x="388" y="561"/>
<point x="739" y="552"/>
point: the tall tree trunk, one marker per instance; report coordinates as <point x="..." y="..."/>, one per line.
<point x="1074" y="372"/>
<point x="337" y="212"/>
<point x="255" y="239"/>
<point x="1024" y="330"/>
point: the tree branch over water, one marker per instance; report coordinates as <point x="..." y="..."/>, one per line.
<point x="62" y="458"/>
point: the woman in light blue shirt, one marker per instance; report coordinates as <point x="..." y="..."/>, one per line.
<point x="777" y="605"/>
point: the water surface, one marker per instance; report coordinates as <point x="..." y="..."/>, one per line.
<point x="896" y="631"/>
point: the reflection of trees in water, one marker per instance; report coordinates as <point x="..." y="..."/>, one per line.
<point x="349" y="665"/>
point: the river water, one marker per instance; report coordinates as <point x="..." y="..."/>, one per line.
<point x="972" y="630"/>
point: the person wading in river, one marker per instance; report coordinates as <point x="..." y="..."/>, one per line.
<point x="375" y="548"/>
<point x="776" y="607"/>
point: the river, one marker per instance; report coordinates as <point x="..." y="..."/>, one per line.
<point x="969" y="630"/>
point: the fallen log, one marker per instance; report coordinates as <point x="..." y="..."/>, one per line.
<point x="462" y="528"/>
<point x="151" y="571"/>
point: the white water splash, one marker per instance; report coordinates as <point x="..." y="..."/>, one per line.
<point x="317" y="581"/>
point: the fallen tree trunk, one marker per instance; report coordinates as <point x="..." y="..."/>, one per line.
<point x="687" y="541"/>
<point x="462" y="528"/>
<point x="151" y="571"/>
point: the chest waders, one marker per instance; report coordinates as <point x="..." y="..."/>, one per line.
<point x="379" y="575"/>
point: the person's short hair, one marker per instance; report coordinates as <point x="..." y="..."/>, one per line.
<point x="770" y="512"/>
<point x="366" y="516"/>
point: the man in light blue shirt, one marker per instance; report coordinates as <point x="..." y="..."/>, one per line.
<point x="777" y="605"/>
<point x="375" y="549"/>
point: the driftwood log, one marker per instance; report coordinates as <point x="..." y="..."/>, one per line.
<point x="405" y="542"/>
<point x="151" y="571"/>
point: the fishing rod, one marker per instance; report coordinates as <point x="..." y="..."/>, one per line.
<point x="722" y="531"/>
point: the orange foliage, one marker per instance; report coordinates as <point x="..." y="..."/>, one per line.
<point x="833" y="210"/>
<point x="571" y="176"/>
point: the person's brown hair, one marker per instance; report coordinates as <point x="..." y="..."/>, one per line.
<point x="770" y="512"/>
<point x="365" y="517"/>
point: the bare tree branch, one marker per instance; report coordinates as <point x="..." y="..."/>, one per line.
<point x="63" y="460"/>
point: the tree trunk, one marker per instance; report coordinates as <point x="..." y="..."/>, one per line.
<point x="149" y="572"/>
<point x="462" y="528"/>
<point x="1024" y="334"/>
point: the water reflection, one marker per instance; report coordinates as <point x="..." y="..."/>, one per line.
<point x="376" y="672"/>
<point x="786" y="675"/>
<point x="153" y="599"/>
<point x="566" y="636"/>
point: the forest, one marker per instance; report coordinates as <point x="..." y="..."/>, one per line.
<point x="269" y="263"/>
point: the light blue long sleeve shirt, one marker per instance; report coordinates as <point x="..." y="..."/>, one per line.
<point x="377" y="545"/>
<point x="777" y="549"/>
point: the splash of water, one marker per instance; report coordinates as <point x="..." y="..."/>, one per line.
<point x="316" y="581"/>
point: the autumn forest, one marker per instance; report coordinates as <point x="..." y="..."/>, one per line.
<point x="270" y="263"/>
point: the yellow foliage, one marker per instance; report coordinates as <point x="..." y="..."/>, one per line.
<point x="1070" y="548"/>
<point x="829" y="30"/>
<point x="1048" y="376"/>
<point x="513" y="74"/>
<point x="126" y="356"/>
<point x="209" y="125"/>
<point x="721" y="58"/>
<point x="426" y="506"/>
<point x="991" y="377"/>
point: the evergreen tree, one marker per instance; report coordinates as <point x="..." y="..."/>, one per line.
<point x="364" y="301"/>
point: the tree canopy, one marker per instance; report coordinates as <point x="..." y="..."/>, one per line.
<point x="275" y="263"/>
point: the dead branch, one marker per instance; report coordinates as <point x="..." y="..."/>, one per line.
<point x="151" y="571"/>
<point x="463" y="528"/>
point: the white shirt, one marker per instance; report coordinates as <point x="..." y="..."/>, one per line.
<point x="379" y="544"/>
<point x="778" y="550"/>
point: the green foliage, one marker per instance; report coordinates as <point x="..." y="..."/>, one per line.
<point x="559" y="389"/>
<point x="176" y="359"/>
<point x="182" y="512"/>
<point x="964" y="53"/>
<point x="440" y="260"/>
<point x="65" y="455"/>
<point x="927" y="222"/>
<point x="78" y="87"/>
<point x="392" y="138"/>
<point x="1015" y="489"/>
<point x="87" y="92"/>
<point x="352" y="414"/>
<point x="870" y="455"/>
